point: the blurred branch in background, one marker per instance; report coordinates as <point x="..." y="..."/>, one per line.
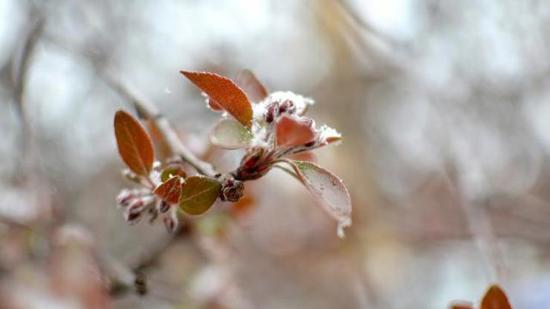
<point x="444" y="110"/>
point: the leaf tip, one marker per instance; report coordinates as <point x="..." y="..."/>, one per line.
<point x="342" y="224"/>
<point x="495" y="297"/>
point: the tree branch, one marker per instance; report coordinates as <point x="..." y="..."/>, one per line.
<point x="148" y="111"/>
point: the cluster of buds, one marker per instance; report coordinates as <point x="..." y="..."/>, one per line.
<point x="270" y="128"/>
<point x="232" y="190"/>
<point x="281" y="130"/>
<point x="138" y="203"/>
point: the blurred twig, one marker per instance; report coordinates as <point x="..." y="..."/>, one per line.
<point x="20" y="70"/>
<point x="480" y="226"/>
<point x="125" y="278"/>
<point x="149" y="111"/>
<point x="130" y="277"/>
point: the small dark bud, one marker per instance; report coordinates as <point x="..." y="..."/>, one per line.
<point x="140" y="283"/>
<point x="287" y="107"/>
<point x="133" y="217"/>
<point x="136" y="206"/>
<point x="232" y="190"/>
<point x="271" y="112"/>
<point x="164" y="207"/>
<point x="125" y="197"/>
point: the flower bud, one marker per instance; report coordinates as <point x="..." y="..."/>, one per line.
<point x="232" y="190"/>
<point x="271" y="112"/>
<point x="163" y="207"/>
<point x="171" y="222"/>
<point x="288" y="107"/>
<point x="125" y="197"/>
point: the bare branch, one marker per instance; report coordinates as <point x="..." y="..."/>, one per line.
<point x="21" y="63"/>
<point x="148" y="111"/>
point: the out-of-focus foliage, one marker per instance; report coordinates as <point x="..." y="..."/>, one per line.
<point x="444" y="107"/>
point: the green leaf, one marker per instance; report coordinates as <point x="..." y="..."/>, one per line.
<point x="134" y="144"/>
<point x="230" y="134"/>
<point x="327" y="189"/>
<point x="199" y="194"/>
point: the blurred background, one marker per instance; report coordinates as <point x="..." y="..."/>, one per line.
<point x="445" y="111"/>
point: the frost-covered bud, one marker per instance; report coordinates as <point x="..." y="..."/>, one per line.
<point x="133" y="216"/>
<point x="232" y="190"/>
<point x="137" y="207"/>
<point x="125" y="197"/>
<point x="271" y="112"/>
<point x="287" y="107"/>
<point x="254" y="165"/>
<point x="290" y="102"/>
<point x="328" y="135"/>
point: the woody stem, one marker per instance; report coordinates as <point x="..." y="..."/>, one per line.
<point x="149" y="111"/>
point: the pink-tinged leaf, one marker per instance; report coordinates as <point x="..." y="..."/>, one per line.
<point x="255" y="90"/>
<point x="225" y="93"/>
<point x="293" y="131"/>
<point x="328" y="190"/>
<point x="199" y="194"/>
<point x="495" y="298"/>
<point x="170" y="190"/>
<point x="134" y="144"/>
<point x="230" y="134"/>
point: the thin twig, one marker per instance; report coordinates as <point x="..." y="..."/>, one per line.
<point x="481" y="228"/>
<point x="126" y="278"/>
<point x="148" y="111"/>
<point x="20" y="71"/>
<point x="22" y="63"/>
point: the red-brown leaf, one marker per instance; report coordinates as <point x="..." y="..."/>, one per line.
<point x="294" y="131"/>
<point x="224" y="92"/>
<point x="255" y="90"/>
<point x="170" y="190"/>
<point x="134" y="145"/>
<point x="495" y="298"/>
